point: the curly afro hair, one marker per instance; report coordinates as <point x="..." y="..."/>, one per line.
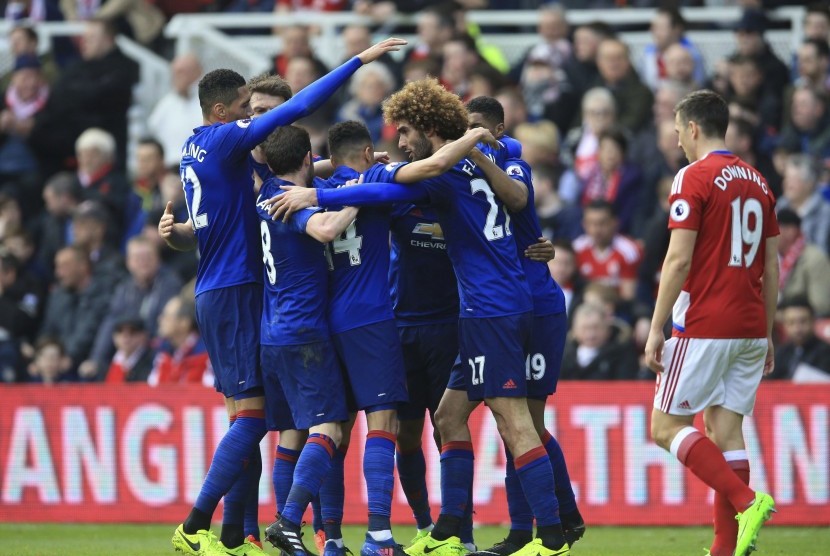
<point x="427" y="106"/>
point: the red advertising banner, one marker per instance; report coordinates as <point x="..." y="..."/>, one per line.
<point x="99" y="453"/>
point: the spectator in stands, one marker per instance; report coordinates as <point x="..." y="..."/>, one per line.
<point x="746" y="87"/>
<point x="802" y="195"/>
<point x="515" y="111"/>
<point x="804" y="267"/>
<point x="54" y="228"/>
<point x="288" y="6"/>
<point x="436" y="27"/>
<point x="595" y="351"/>
<point x="741" y="137"/>
<point x="94" y="92"/>
<point x="182" y="263"/>
<point x="11" y="217"/>
<point x="357" y="38"/>
<point x="817" y="21"/>
<point x="76" y="307"/>
<point x="182" y="356"/>
<point x="459" y="58"/>
<point x="617" y="179"/>
<point x="749" y="35"/>
<point x="149" y="171"/>
<point x="98" y="179"/>
<point x="89" y="232"/>
<point x="140" y="19"/>
<point x="554" y="48"/>
<point x="485" y="81"/>
<point x="133" y="359"/>
<point x="369" y="86"/>
<point x="546" y="91"/>
<point x="23" y="41"/>
<point x="803" y="354"/>
<point x="655" y="245"/>
<point x="633" y="99"/>
<point x="143" y="293"/>
<point x="808" y="130"/>
<point x="22" y="246"/>
<point x="813" y="67"/>
<point x="549" y="206"/>
<point x="581" y="152"/>
<point x="605" y="255"/>
<point x="564" y="270"/>
<point x="51" y="362"/>
<point x="540" y="143"/>
<point x="680" y="67"/>
<point x="668" y="29"/>
<point x="296" y="43"/>
<point x="581" y="69"/>
<point x="300" y="73"/>
<point x="22" y="297"/>
<point x="25" y="96"/>
<point x="178" y="111"/>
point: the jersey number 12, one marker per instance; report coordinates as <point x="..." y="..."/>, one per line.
<point x="199" y="220"/>
<point x="746" y="230"/>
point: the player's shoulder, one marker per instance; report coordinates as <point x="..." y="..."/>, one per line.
<point x="626" y="247"/>
<point x="382" y="172"/>
<point x="517" y="169"/>
<point x="690" y="177"/>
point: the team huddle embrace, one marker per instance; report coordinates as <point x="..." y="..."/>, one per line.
<point x="402" y="290"/>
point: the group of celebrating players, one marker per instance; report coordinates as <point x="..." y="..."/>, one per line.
<point x="388" y="288"/>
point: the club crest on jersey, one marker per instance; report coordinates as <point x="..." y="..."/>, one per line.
<point x="679" y="210"/>
<point x="515" y="171"/>
<point x="431" y="229"/>
<point x="243" y="123"/>
<point x="392" y="165"/>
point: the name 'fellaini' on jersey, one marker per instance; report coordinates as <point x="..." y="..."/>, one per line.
<point x="548" y="297"/>
<point x="218" y="184"/>
<point x="479" y="238"/>
<point x="421" y="278"/>
<point x="359" y="288"/>
<point x="296" y="271"/>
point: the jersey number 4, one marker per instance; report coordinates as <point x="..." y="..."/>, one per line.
<point x="747" y="228"/>
<point x="349" y="242"/>
<point x="492" y="231"/>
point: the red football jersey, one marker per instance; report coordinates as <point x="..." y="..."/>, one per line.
<point x="609" y="266"/>
<point x="731" y="207"/>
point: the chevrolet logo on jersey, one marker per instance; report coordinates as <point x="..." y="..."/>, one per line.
<point x="432" y="229"/>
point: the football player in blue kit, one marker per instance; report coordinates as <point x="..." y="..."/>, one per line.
<point x="223" y="223"/>
<point x="495" y="321"/>
<point x="297" y="351"/>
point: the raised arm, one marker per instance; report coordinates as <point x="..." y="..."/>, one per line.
<point x="512" y="192"/>
<point x="327" y="226"/>
<point x="444" y="158"/>
<point x="298" y="198"/>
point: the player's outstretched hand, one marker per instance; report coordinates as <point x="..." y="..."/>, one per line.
<point x="654" y="351"/>
<point x="295" y="198"/>
<point x="377" y="50"/>
<point x="543" y="251"/>
<point x="166" y="222"/>
<point x="769" y="361"/>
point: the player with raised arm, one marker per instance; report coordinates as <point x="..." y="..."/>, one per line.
<point x="223" y="223"/>
<point x="298" y="356"/>
<point x="496" y="308"/>
<point x="719" y="284"/>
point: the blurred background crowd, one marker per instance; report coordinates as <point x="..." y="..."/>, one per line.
<point x="89" y="292"/>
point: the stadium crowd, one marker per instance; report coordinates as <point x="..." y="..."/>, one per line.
<point x="90" y="292"/>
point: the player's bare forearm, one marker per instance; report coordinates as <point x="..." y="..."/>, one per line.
<point x="444" y="158"/>
<point x="323" y="168"/>
<point x="327" y="226"/>
<point x="513" y="193"/>
<point x="182" y="238"/>
<point x="770" y="286"/>
<point x="675" y="270"/>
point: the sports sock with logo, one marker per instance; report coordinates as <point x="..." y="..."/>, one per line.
<point x="285" y="461"/>
<point x="726" y="526"/>
<point x="457" y="467"/>
<point x="412" y="470"/>
<point x="564" y="491"/>
<point x="379" y="472"/>
<point x="703" y="458"/>
<point x="312" y="467"/>
<point x="228" y="463"/>
<point x="521" y="516"/>
<point x="332" y="496"/>
<point x="536" y="476"/>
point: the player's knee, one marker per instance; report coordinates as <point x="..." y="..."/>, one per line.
<point x="384" y="420"/>
<point x="409" y="434"/>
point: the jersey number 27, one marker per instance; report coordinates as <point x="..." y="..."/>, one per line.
<point x="492" y="231"/>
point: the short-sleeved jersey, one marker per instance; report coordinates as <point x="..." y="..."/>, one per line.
<point x="421" y="278"/>
<point x="479" y="237"/>
<point x="295" y="276"/>
<point x="617" y="262"/>
<point x="548" y="298"/>
<point x="218" y="184"/>
<point x="358" y="284"/>
<point x="731" y="207"/>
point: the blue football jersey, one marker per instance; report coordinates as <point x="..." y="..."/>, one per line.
<point x="421" y="278"/>
<point x="358" y="285"/>
<point x="548" y="298"/>
<point x="218" y="185"/>
<point x="479" y="236"/>
<point x="295" y="275"/>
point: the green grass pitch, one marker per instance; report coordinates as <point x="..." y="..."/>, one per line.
<point x="139" y="540"/>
